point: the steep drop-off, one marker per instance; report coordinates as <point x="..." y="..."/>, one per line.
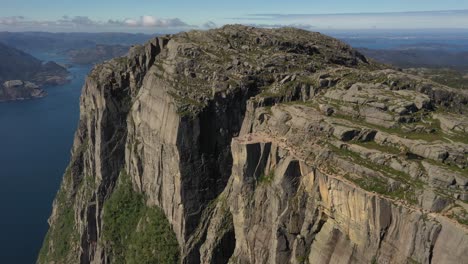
<point x="262" y="146"/>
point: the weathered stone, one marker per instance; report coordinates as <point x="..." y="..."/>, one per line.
<point x="250" y="165"/>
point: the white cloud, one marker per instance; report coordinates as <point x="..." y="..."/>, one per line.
<point x="130" y="22"/>
<point x="149" y="21"/>
<point x="396" y="20"/>
<point x="86" y="23"/>
<point x="13" y="20"/>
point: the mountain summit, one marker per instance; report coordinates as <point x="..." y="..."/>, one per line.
<point x="249" y="145"/>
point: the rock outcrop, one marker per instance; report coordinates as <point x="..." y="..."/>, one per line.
<point x="264" y="146"/>
<point x="19" y="90"/>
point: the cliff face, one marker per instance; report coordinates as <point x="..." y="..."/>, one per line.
<point x="262" y="146"/>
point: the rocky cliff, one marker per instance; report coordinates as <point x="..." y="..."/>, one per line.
<point x="248" y="145"/>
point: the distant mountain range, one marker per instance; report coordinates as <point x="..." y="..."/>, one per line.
<point x="63" y="42"/>
<point x="443" y="63"/>
<point x="96" y="54"/>
<point x="430" y="56"/>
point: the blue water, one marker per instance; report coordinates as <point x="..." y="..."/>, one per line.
<point x="448" y="40"/>
<point x="455" y="45"/>
<point x="35" y="141"/>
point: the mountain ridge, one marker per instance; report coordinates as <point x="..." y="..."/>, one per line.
<point x="262" y="145"/>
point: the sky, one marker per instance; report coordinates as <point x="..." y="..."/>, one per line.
<point x="162" y="16"/>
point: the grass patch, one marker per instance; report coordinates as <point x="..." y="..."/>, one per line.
<point x="412" y="261"/>
<point x="60" y="239"/>
<point x="374" y="145"/>
<point x="449" y="77"/>
<point x="267" y="178"/>
<point x="122" y="212"/>
<point x="301" y="259"/>
<point x="429" y="137"/>
<point x="459" y="137"/>
<point x="449" y="167"/>
<point x="461" y="216"/>
<point x="186" y="106"/>
<point x="62" y="235"/>
<point x="135" y="233"/>
<point x="152" y="242"/>
<point x="379" y="185"/>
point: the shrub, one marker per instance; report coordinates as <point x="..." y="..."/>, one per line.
<point x="135" y="233"/>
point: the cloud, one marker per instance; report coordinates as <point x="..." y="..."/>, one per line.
<point x="85" y="22"/>
<point x="395" y="20"/>
<point x="129" y="22"/>
<point x="74" y="21"/>
<point x="13" y="20"/>
<point x="150" y="21"/>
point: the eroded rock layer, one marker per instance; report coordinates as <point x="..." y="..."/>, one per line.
<point x="265" y="146"/>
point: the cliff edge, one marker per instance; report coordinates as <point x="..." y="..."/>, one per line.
<point x="248" y="145"/>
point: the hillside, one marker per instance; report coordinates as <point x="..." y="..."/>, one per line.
<point x="27" y="73"/>
<point x="97" y="54"/>
<point x="62" y="42"/>
<point x="248" y="145"/>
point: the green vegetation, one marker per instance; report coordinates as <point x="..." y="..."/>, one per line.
<point x="459" y="214"/>
<point x="277" y="90"/>
<point x="461" y="220"/>
<point x="412" y="261"/>
<point x="450" y="167"/>
<point x="121" y="215"/>
<point x="122" y="60"/>
<point x="62" y="235"/>
<point x="430" y="137"/>
<point x="374" y="145"/>
<point x="449" y="77"/>
<point x="135" y="233"/>
<point x="459" y="137"/>
<point x="186" y="106"/>
<point x="267" y="179"/>
<point x="152" y="241"/>
<point x="301" y="259"/>
<point x="379" y="185"/>
<point x="382" y="187"/>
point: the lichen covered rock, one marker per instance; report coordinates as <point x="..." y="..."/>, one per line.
<point x="268" y="146"/>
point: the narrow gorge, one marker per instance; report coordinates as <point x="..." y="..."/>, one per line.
<point x="247" y="145"/>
